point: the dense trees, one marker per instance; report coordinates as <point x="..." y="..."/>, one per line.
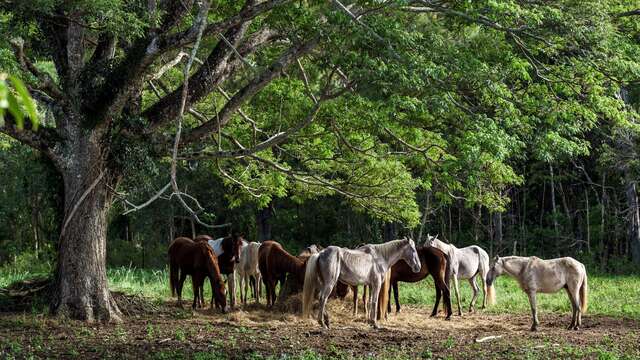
<point x="506" y="118"/>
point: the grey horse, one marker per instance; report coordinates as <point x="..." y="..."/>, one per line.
<point x="363" y="266"/>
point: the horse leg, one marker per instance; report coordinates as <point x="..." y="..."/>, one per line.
<point x="355" y="300"/>
<point x="201" y="292"/>
<point x="256" y="287"/>
<point x="476" y="290"/>
<point x="232" y="288"/>
<point x="373" y="303"/>
<point x="323" y="315"/>
<point x="456" y="284"/>
<point x="183" y="277"/>
<point x="396" y="295"/>
<point x="365" y="300"/>
<point x="534" y="310"/>
<point x="438" y="296"/>
<point x="388" y="310"/>
<point x="575" y="307"/>
<point x="195" y="280"/>
<point x="484" y="291"/>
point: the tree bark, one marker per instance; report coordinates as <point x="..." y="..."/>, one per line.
<point x="497" y="230"/>
<point x="389" y="231"/>
<point x="554" y="213"/>
<point x="263" y="226"/>
<point x="81" y="290"/>
<point x="634" y="219"/>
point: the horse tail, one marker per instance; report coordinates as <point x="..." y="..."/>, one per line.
<point x="447" y="270"/>
<point x="174" y="273"/>
<point x="484" y="272"/>
<point x="491" y="293"/>
<point x="310" y="285"/>
<point x="383" y="300"/>
<point x="584" y="295"/>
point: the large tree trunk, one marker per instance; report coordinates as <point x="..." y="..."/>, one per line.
<point x="81" y="290"/>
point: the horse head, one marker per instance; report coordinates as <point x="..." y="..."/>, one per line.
<point x="495" y="270"/>
<point x="217" y="284"/>
<point x="428" y="241"/>
<point x="236" y="246"/>
<point x="410" y="255"/>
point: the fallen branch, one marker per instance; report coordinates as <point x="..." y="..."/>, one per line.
<point x="488" y="338"/>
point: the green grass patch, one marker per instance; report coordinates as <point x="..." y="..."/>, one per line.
<point x="611" y="295"/>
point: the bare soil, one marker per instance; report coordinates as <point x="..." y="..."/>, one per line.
<point x="165" y="331"/>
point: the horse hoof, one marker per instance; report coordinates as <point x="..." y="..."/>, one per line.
<point x="448" y="318"/>
<point x="534" y="328"/>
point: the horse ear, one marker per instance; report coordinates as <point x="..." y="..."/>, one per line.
<point x="496" y="258"/>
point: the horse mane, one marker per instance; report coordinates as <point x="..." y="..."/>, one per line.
<point x="282" y="261"/>
<point x="388" y="248"/>
<point x="212" y="262"/>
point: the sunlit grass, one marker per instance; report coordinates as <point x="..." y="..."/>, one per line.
<point x="611" y="295"/>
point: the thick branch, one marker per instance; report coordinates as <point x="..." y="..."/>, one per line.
<point x="128" y="76"/>
<point x="203" y="81"/>
<point x="255" y="85"/>
<point x="629" y="13"/>
<point x="46" y="83"/>
<point x="43" y="140"/>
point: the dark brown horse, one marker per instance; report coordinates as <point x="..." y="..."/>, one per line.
<point x="434" y="262"/>
<point x="187" y="257"/>
<point x="274" y="263"/>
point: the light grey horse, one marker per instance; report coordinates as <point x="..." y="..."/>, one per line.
<point x="547" y="276"/>
<point x="354" y="267"/>
<point x="467" y="263"/>
<point x="247" y="268"/>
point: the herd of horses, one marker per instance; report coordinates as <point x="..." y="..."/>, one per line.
<point x="322" y="273"/>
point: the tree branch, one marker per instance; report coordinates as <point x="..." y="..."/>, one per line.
<point x="272" y="141"/>
<point x="46" y="85"/>
<point x="255" y="85"/>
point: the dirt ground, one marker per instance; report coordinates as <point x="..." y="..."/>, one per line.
<point x="164" y="331"/>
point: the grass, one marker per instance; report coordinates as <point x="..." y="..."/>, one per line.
<point x="611" y="295"/>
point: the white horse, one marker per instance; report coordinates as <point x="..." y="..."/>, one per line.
<point x="247" y="268"/>
<point x="467" y="263"/>
<point x="547" y="276"/>
<point x="354" y="267"/>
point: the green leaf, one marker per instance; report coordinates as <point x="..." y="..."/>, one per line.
<point x="26" y="99"/>
<point x="14" y="109"/>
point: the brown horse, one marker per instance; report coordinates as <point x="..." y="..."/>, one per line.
<point x="274" y="263"/>
<point x="434" y="262"/>
<point x="227" y="250"/>
<point x="187" y="257"/>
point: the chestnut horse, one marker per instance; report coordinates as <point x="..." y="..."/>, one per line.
<point x="227" y="250"/>
<point x="434" y="262"/>
<point x="187" y="257"/>
<point x="274" y="263"/>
